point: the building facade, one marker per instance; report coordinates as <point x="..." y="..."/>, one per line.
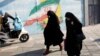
<point x="91" y="12"/>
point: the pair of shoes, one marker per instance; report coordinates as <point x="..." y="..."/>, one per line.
<point x="60" y="48"/>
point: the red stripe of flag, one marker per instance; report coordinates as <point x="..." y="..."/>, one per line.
<point x="30" y="22"/>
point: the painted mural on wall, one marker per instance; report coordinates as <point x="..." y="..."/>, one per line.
<point x="33" y="12"/>
<point x="39" y="12"/>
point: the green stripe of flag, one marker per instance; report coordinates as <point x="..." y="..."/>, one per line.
<point x="38" y="7"/>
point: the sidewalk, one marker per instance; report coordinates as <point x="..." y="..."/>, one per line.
<point x="36" y="47"/>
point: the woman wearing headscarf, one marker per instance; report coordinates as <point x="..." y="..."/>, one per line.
<point x="52" y="33"/>
<point x="17" y="27"/>
<point x="73" y="27"/>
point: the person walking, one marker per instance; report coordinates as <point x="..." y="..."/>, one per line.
<point x="52" y="33"/>
<point x="73" y="44"/>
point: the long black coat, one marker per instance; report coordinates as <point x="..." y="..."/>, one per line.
<point x="52" y="32"/>
<point x="71" y="43"/>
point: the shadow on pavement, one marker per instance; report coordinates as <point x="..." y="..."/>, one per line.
<point x="35" y="53"/>
<point x="9" y="44"/>
<point x="97" y="40"/>
<point x="54" y="51"/>
<point x="32" y="53"/>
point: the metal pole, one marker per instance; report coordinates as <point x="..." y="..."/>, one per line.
<point x="83" y="11"/>
<point x="86" y="14"/>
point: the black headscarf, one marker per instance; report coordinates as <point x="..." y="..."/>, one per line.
<point x="72" y="17"/>
<point x="52" y="19"/>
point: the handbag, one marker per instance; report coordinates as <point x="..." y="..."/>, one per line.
<point x="80" y="37"/>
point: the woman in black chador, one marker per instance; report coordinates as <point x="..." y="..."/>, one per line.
<point x="73" y="27"/>
<point x="52" y="33"/>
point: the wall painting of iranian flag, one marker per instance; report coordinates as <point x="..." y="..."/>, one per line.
<point x="33" y="12"/>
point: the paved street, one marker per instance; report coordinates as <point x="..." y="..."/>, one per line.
<point x="35" y="45"/>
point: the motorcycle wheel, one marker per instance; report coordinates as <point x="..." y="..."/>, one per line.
<point x="24" y="37"/>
